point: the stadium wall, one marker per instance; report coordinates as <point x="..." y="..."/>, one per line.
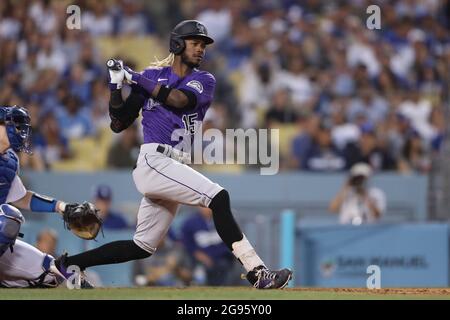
<point x="257" y="203"/>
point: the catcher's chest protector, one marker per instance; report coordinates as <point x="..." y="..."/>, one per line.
<point x="9" y="164"/>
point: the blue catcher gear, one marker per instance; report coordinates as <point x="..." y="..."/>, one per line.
<point x="17" y="122"/>
<point x="10" y="221"/>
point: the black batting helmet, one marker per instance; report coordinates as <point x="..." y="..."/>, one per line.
<point x="187" y="29"/>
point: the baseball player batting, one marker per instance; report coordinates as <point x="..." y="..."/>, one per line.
<point x="22" y="265"/>
<point x="173" y="95"/>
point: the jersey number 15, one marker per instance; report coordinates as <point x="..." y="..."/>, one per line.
<point x="189" y="123"/>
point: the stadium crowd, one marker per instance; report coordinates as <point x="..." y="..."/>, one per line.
<point x="345" y="94"/>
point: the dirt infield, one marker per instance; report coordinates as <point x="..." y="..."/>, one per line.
<point x="387" y="291"/>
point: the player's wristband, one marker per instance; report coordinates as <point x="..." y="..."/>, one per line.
<point x="40" y="203"/>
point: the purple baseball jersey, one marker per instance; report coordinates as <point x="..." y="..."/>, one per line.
<point x="160" y="121"/>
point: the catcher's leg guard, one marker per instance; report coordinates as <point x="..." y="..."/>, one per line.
<point x="27" y="267"/>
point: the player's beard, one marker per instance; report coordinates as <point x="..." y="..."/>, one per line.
<point x="190" y="64"/>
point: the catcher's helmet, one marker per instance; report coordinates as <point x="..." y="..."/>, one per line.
<point x="17" y="122"/>
<point x="10" y="221"/>
<point x="187" y="29"/>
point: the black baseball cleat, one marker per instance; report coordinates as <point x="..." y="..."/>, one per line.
<point x="263" y="278"/>
<point x="61" y="266"/>
<point x="85" y="284"/>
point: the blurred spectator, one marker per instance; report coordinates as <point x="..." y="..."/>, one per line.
<point x="344" y="84"/>
<point x="237" y="48"/>
<point x="418" y="111"/>
<point x="169" y="266"/>
<point x="342" y="132"/>
<point x="97" y="19"/>
<point x="369" y="150"/>
<point x="47" y="242"/>
<point x="74" y="120"/>
<point x="100" y="104"/>
<point x="357" y="202"/>
<point x="29" y="70"/>
<point x="319" y="50"/>
<point x="367" y="103"/>
<point x="217" y="19"/>
<point x="49" y="141"/>
<point x="397" y="129"/>
<point x="308" y="126"/>
<point x="103" y="201"/>
<point x="258" y="85"/>
<point x="10" y="24"/>
<point x="414" y="156"/>
<point x="297" y="80"/>
<point x="50" y="56"/>
<point x="43" y="14"/>
<point x="133" y="20"/>
<point x="124" y="152"/>
<point x="79" y="84"/>
<point x="280" y="110"/>
<point x="360" y="50"/>
<point x="207" y="250"/>
<point x="316" y="150"/>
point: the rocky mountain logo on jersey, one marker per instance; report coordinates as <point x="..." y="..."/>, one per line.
<point x="194" y="84"/>
<point x="151" y="104"/>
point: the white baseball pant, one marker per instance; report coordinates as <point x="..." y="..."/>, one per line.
<point x="165" y="183"/>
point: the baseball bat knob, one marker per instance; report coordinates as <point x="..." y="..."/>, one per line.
<point x="113" y="64"/>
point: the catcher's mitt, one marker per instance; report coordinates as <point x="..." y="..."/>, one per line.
<point x="82" y="219"/>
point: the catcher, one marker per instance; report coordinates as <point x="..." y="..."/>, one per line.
<point x="22" y="265"/>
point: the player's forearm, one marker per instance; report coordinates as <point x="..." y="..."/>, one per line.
<point x="38" y="203"/>
<point x="177" y="99"/>
<point x="122" y="113"/>
<point x="115" y="99"/>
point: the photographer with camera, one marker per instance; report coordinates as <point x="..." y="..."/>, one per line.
<point x="356" y="202"/>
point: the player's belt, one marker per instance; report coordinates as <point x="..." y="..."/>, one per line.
<point x="175" y="154"/>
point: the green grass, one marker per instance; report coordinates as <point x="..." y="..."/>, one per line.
<point x="219" y="293"/>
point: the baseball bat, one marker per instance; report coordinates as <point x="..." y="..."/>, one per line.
<point x="113" y="64"/>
